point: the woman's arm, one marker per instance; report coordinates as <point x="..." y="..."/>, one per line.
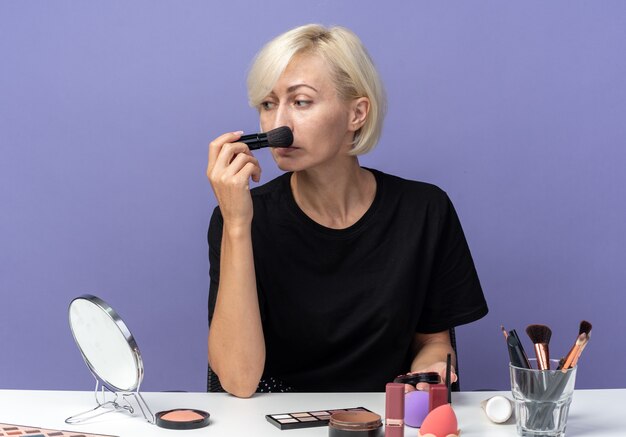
<point x="431" y="352"/>
<point x="236" y="342"/>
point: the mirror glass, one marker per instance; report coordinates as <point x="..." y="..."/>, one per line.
<point x="106" y="344"/>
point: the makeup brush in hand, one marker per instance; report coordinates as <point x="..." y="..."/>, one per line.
<point x="540" y="336"/>
<point x="572" y="356"/>
<point x="279" y="137"/>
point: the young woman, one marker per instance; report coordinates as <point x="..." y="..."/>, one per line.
<point x="331" y="277"/>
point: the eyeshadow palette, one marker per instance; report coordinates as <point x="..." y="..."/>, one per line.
<point x="7" y="430"/>
<point x="306" y="419"/>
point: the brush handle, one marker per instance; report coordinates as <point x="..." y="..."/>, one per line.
<point x="574" y="351"/>
<point x="580" y="351"/>
<point x="448" y="382"/>
<point x="527" y="365"/>
<point x="567" y="360"/>
<point x="543" y="356"/>
<point x="516" y="353"/>
<point x="571" y="356"/>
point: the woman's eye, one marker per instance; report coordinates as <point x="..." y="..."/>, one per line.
<point x="302" y="103"/>
<point x="267" y="105"/>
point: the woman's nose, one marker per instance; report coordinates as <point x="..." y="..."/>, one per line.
<point x="283" y="118"/>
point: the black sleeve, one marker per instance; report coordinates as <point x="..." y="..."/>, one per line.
<point x="215" y="245"/>
<point x="455" y="296"/>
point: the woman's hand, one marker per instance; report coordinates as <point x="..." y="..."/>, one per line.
<point x="440" y="368"/>
<point x="230" y="167"/>
<point x="431" y="353"/>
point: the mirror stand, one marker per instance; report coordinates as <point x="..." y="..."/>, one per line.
<point x="118" y="403"/>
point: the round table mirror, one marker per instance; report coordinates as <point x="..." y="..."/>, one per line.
<point x="106" y="344"/>
<point x="110" y="352"/>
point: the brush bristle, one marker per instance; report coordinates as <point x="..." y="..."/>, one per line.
<point x="585" y="327"/>
<point x="280" y="137"/>
<point x="539" y="333"/>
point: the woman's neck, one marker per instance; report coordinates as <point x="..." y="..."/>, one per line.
<point x="334" y="197"/>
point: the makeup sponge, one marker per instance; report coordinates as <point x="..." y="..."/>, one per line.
<point x="415" y="408"/>
<point x="440" y="422"/>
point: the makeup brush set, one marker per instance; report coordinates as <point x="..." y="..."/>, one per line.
<point x="540" y="336"/>
<point x="543" y="392"/>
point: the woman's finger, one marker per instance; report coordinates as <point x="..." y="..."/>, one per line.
<point x="228" y="153"/>
<point x="422" y="386"/>
<point x="216" y="145"/>
<point x="236" y="168"/>
<point x="237" y="163"/>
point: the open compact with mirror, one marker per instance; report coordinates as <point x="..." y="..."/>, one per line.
<point x="112" y="355"/>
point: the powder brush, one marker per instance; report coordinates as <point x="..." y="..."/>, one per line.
<point x="585" y="327"/>
<point x="581" y="341"/>
<point x="279" y="137"/>
<point x="580" y="350"/>
<point x="540" y="336"/>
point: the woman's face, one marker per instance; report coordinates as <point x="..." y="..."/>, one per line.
<point x="306" y="100"/>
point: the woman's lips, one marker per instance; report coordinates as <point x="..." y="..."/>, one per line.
<point x="283" y="151"/>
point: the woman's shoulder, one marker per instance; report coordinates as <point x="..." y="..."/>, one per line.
<point x="273" y="198"/>
<point x="408" y="187"/>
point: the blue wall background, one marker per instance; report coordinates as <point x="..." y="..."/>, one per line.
<point x="516" y="109"/>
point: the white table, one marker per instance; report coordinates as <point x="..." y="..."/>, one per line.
<point x="600" y="413"/>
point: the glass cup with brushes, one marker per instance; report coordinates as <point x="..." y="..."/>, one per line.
<point x="543" y="388"/>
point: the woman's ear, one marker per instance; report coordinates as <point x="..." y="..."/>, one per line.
<point x="359" y="109"/>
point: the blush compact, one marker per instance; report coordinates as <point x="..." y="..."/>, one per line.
<point x="182" y="418"/>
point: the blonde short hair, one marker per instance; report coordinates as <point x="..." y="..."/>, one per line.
<point x="354" y="73"/>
